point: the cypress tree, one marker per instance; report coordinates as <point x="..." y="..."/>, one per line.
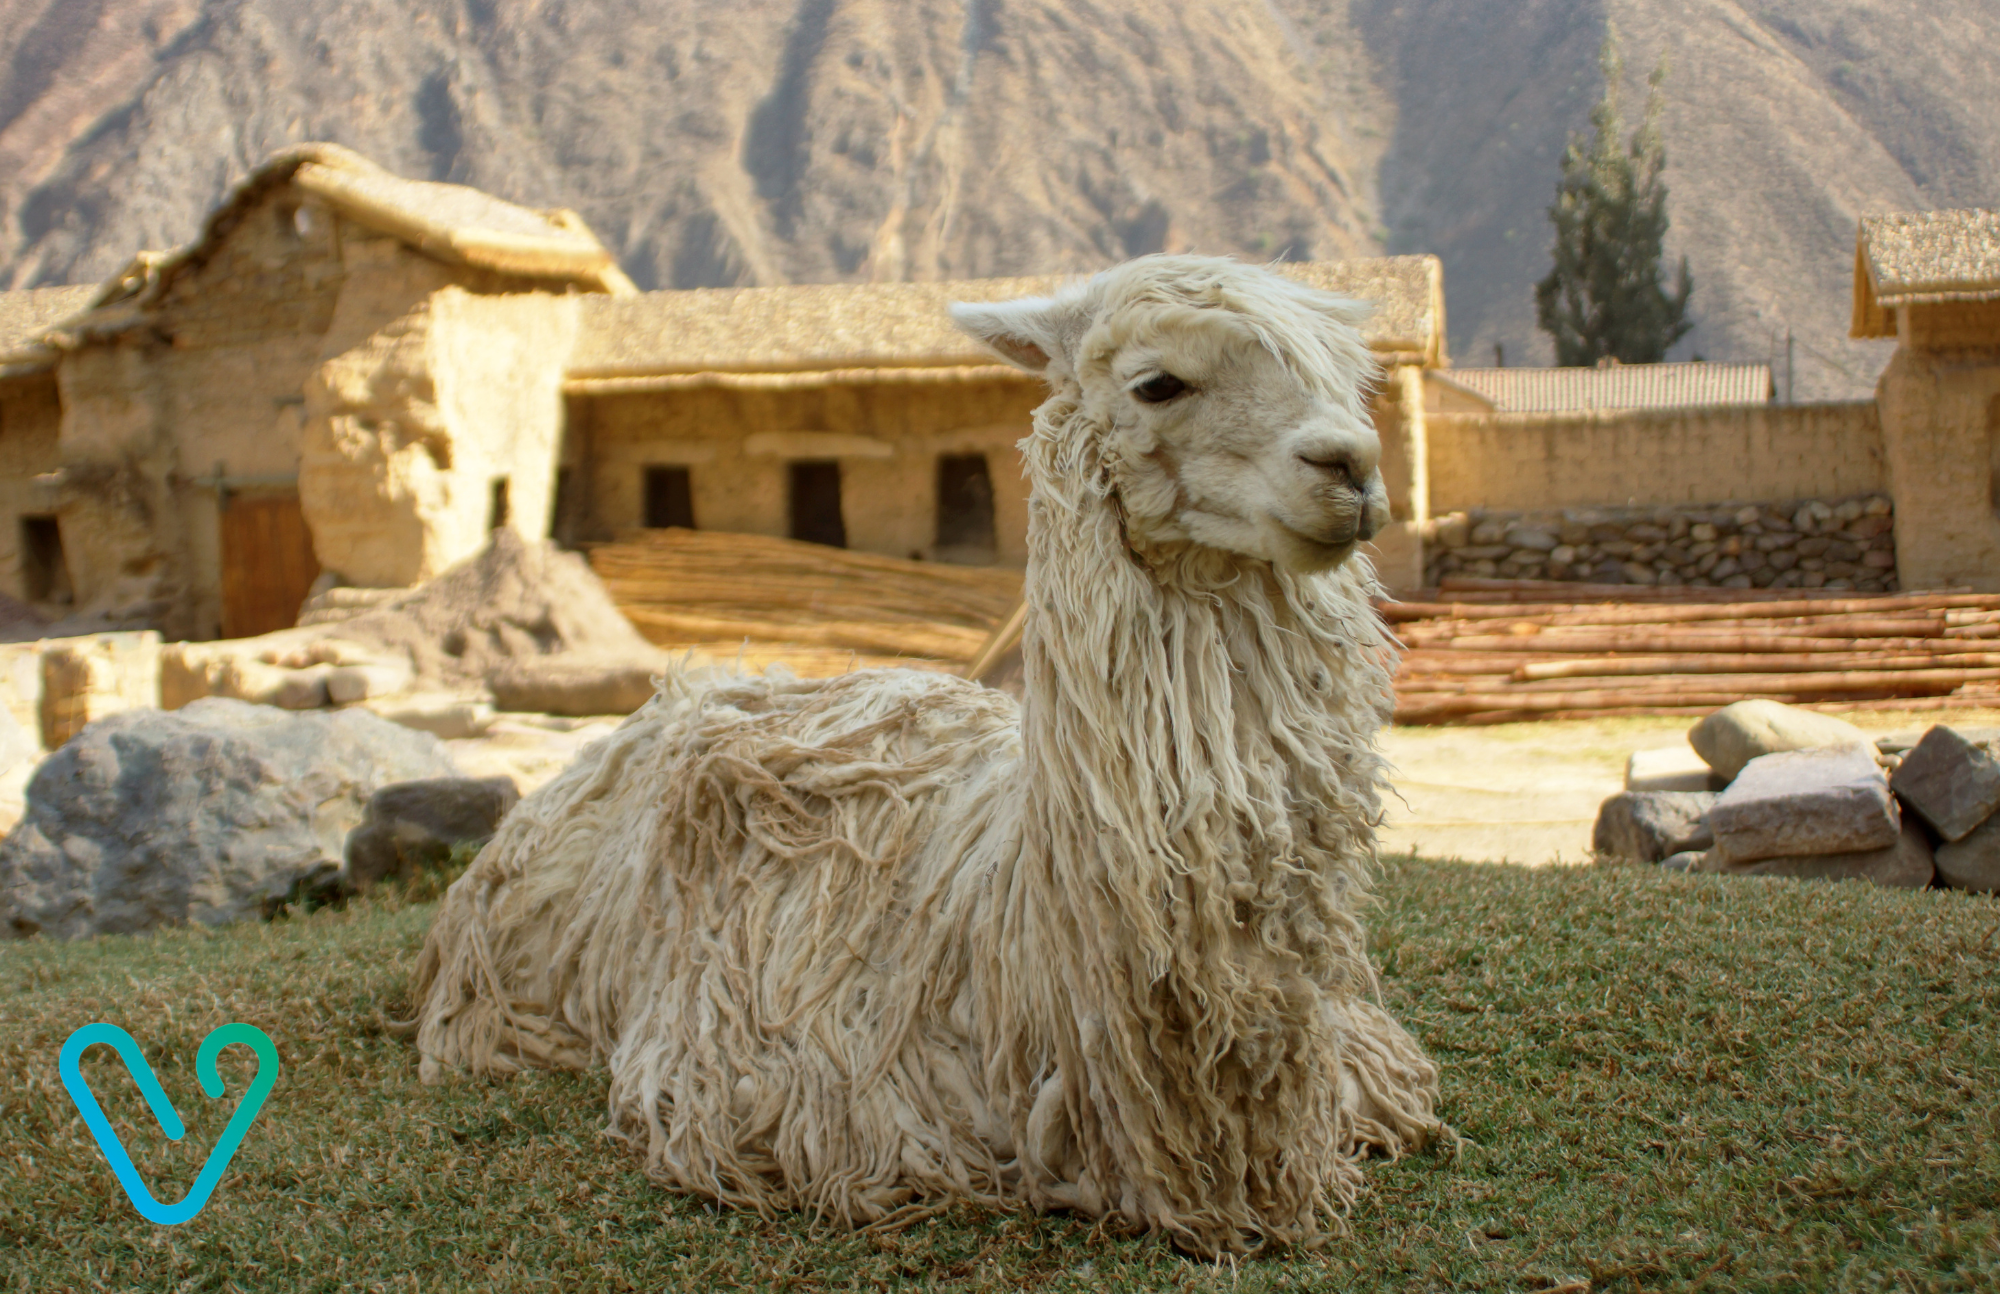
<point x="1604" y="296"/>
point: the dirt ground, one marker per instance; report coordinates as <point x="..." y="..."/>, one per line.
<point x="1528" y="792"/>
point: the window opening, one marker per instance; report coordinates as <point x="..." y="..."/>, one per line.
<point x="44" y="569"/>
<point x="815" y="504"/>
<point x="498" y="512"/>
<point x="669" y="497"/>
<point x="964" y="509"/>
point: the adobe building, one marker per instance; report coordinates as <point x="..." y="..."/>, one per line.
<point x="1931" y="280"/>
<point x="346" y="371"/>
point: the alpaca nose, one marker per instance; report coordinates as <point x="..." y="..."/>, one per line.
<point x="1338" y="464"/>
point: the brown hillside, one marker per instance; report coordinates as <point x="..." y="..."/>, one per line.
<point x="754" y="141"/>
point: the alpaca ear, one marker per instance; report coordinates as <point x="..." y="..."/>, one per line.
<point x="1026" y="333"/>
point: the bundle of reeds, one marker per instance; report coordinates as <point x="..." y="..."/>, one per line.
<point x="1491" y="651"/>
<point x="818" y="610"/>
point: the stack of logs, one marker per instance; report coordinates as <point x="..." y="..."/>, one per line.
<point x="817" y="610"/>
<point x="1494" y="651"/>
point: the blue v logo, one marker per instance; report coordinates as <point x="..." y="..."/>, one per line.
<point x="149" y="1208"/>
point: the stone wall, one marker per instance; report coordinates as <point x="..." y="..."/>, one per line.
<point x="1845" y="543"/>
<point x="53" y="686"/>
<point x="85" y="679"/>
<point x="1527" y="462"/>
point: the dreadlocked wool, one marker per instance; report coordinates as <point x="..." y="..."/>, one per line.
<point x="869" y="944"/>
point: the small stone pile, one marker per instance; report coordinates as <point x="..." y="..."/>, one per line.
<point x="1831" y="544"/>
<point x="1806" y="795"/>
<point x="523" y="621"/>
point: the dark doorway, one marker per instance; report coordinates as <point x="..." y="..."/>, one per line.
<point x="815" y="504"/>
<point x="44" y="569"/>
<point x="498" y="510"/>
<point x="669" y="497"/>
<point x="964" y="509"/>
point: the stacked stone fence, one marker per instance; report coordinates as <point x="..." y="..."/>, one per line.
<point x="1840" y="543"/>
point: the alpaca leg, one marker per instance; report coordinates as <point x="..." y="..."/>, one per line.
<point x="1388" y="1087"/>
<point x="1054" y="1160"/>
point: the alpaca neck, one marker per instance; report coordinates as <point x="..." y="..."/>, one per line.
<point x="1197" y="730"/>
<point x="1200" y="788"/>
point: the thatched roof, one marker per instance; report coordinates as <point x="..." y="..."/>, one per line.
<point x="1922" y="258"/>
<point x="797" y="329"/>
<point x="450" y="222"/>
<point x="458" y="224"/>
<point x="26" y="316"/>
<point x="1615" y="386"/>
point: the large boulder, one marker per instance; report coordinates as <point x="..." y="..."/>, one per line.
<point x="1833" y="800"/>
<point x="1736" y="734"/>
<point x="1973" y="862"/>
<point x="210" y="813"/>
<point x="416" y="824"/>
<point x="1648" y="826"/>
<point x="1904" y="865"/>
<point x="1952" y="783"/>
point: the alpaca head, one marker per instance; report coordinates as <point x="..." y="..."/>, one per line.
<point x="1227" y="403"/>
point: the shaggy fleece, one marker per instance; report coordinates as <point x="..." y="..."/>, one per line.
<point x="870" y="944"/>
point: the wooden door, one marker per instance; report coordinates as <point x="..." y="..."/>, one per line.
<point x="268" y="565"/>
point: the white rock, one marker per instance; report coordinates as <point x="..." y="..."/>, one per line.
<point x="346" y="684"/>
<point x="1739" y="733"/>
<point x="442" y="714"/>
<point x="1669" y="768"/>
<point x="1827" y="801"/>
<point x="1903" y="865"/>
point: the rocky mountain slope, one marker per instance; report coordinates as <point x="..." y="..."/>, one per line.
<point x="761" y="141"/>
<point x="1785" y="121"/>
<point x="755" y="141"/>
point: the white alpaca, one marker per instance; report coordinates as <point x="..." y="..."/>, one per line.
<point x="885" y="940"/>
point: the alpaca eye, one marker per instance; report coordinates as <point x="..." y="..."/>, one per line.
<point x="1159" y="390"/>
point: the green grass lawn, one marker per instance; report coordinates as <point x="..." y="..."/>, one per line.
<point x="1664" y="1082"/>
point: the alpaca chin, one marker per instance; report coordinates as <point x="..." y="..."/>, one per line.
<point x="1304" y="555"/>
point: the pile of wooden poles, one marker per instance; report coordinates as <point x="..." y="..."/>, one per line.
<point x="816" y="609"/>
<point x="1495" y="651"/>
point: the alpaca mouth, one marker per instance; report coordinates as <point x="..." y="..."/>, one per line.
<point x="1322" y="552"/>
